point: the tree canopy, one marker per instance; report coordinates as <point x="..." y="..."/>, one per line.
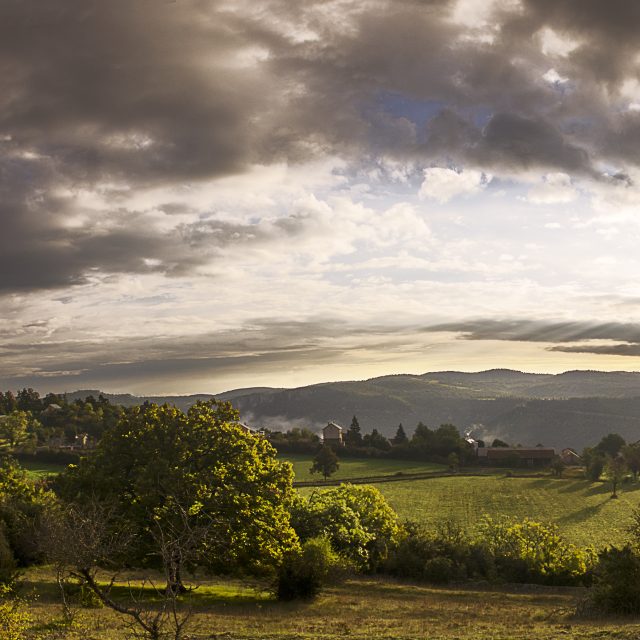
<point x="159" y="466"/>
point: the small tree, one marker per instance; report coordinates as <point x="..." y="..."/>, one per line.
<point x="611" y="444"/>
<point x="353" y="437"/>
<point x="14" y="428"/>
<point x="616" y="468"/>
<point x="453" y="461"/>
<point x="376" y="440"/>
<point x="325" y="462"/>
<point x="594" y="462"/>
<point x="631" y="454"/>
<point x="400" y="437"/>
<point x="557" y="466"/>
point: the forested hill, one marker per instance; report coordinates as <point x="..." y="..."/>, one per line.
<point x="570" y="409"/>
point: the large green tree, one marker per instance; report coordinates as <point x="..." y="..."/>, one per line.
<point x="161" y="469"/>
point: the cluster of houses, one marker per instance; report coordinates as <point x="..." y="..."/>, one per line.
<point x="522" y="456"/>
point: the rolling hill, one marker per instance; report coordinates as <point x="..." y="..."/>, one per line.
<point x="575" y="408"/>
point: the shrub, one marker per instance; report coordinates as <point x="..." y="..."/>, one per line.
<point x="303" y="572"/>
<point x="357" y="520"/>
<point x="438" y="570"/>
<point x="530" y="551"/>
<point x="616" y="583"/>
<point x="14" y="619"/>
<point x="8" y="571"/>
<point x="439" y="556"/>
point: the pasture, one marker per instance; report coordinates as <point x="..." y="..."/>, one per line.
<point x="351" y="468"/>
<point x="38" y="470"/>
<point x="583" y="510"/>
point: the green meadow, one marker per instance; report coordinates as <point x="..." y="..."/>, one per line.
<point x="38" y="470"/>
<point x="583" y="510"/>
<point x="351" y="468"/>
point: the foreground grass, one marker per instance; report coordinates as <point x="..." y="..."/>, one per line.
<point x="583" y="510"/>
<point x="363" y="608"/>
<point x="351" y="468"/>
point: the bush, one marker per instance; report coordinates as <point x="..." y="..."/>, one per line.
<point x="441" y="556"/>
<point x="438" y="570"/>
<point x="303" y="573"/>
<point x="8" y="572"/>
<point x="14" y="619"/>
<point x="530" y="551"/>
<point x="616" y="583"/>
<point x="357" y="520"/>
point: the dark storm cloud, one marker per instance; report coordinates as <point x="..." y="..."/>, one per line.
<point x="512" y="139"/>
<point x="117" y="91"/>
<point x="139" y="93"/>
<point x="609" y="31"/>
<point x="120" y="89"/>
<point x="627" y="335"/>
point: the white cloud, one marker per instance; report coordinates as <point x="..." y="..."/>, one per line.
<point x="553" y="77"/>
<point x="442" y="184"/>
<point x="554" y="44"/>
<point x="555" y="188"/>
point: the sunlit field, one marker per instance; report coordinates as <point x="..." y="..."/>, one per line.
<point x="583" y="510"/>
<point x="351" y="468"/>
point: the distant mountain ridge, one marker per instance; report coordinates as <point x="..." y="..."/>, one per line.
<point x="575" y="408"/>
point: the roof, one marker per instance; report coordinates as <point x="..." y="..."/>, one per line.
<point x="502" y="453"/>
<point x="333" y="425"/>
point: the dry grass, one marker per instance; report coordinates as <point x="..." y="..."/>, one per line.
<point x="361" y="609"/>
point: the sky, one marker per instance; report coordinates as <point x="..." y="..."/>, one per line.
<point x="201" y="195"/>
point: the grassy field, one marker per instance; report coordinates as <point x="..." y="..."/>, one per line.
<point x="39" y="470"/>
<point x="351" y="468"/>
<point x="360" y="609"/>
<point x="583" y="510"/>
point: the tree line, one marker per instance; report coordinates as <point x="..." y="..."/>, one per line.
<point x="28" y="421"/>
<point x="426" y="444"/>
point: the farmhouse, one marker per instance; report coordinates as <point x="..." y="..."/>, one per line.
<point x="570" y="457"/>
<point x="520" y="456"/>
<point x="51" y="408"/>
<point x="332" y="434"/>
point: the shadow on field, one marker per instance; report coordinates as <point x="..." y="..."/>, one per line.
<point x="582" y="515"/>
<point x="203" y="598"/>
<point x="574" y="486"/>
